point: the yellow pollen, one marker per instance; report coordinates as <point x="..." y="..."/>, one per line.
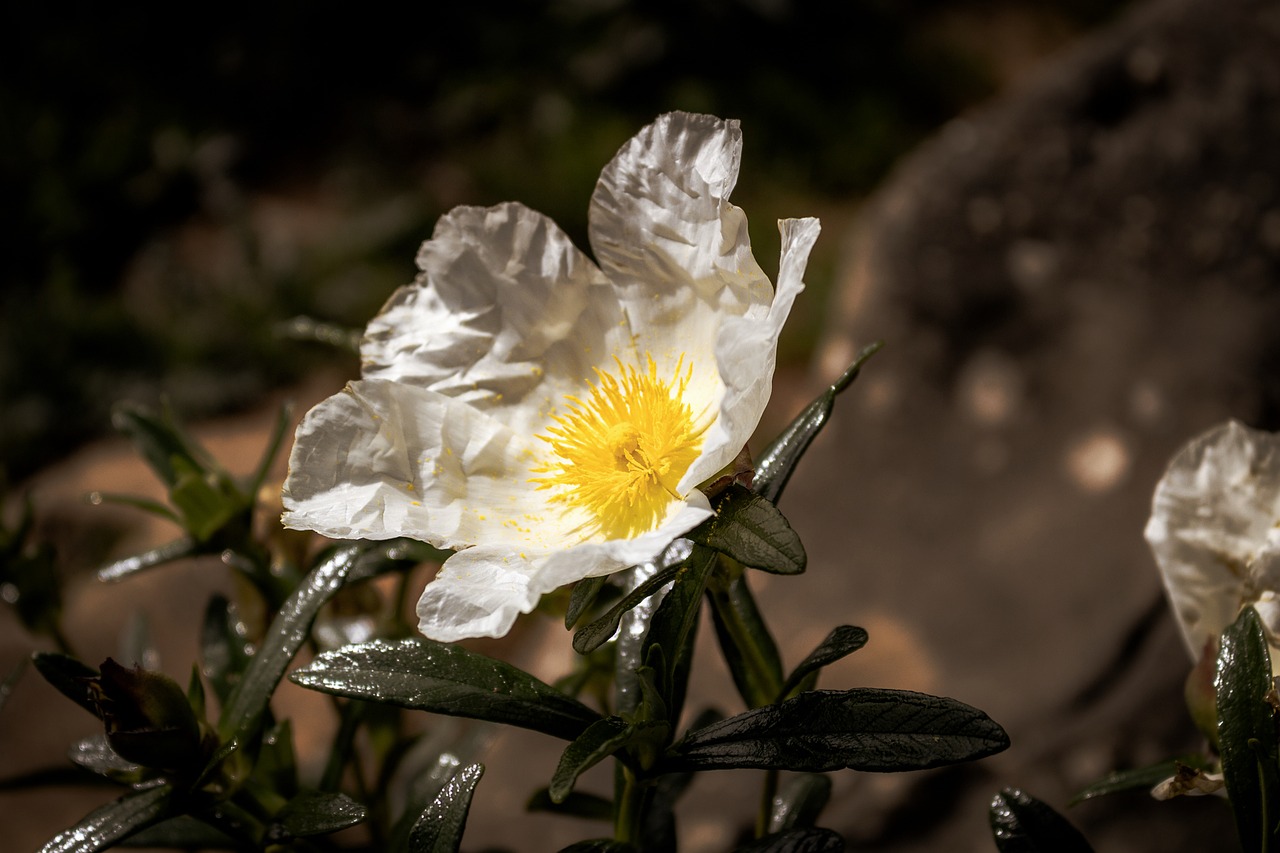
<point x="620" y="453"/>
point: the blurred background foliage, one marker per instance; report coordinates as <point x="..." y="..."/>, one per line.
<point x="178" y="181"/>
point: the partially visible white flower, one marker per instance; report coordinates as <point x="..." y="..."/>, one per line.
<point x="1214" y="533"/>
<point x="550" y="418"/>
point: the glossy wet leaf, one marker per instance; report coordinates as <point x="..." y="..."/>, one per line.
<point x="440" y="828"/>
<point x="1022" y="824"/>
<point x="318" y="813"/>
<point x="799" y="801"/>
<point x="674" y="626"/>
<point x="810" y="840"/>
<point x="95" y="754"/>
<point x="778" y="462"/>
<point x="746" y="643"/>
<point x="68" y="676"/>
<point x="861" y="729"/>
<point x="842" y="641"/>
<point x="754" y="532"/>
<point x="1247" y="731"/>
<point x="179" y="549"/>
<point x="600" y="740"/>
<point x="106" y="825"/>
<point x="445" y="679"/>
<point x="581" y="598"/>
<point x="596" y="633"/>
<point x="288" y="631"/>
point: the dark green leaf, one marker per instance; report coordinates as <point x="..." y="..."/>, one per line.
<point x="159" y="440"/>
<point x="68" y="676"/>
<point x="278" y="433"/>
<point x="179" y="549"/>
<point x="289" y="630"/>
<point x="118" y="819"/>
<point x="594" y="634"/>
<point x="576" y="804"/>
<point x="1023" y="824"/>
<point x="799" y="802"/>
<point x="205" y="503"/>
<point x="861" y="729"/>
<point x="745" y="642"/>
<point x="439" y="830"/>
<point x="599" y="845"/>
<point x="183" y="833"/>
<point x="797" y="841"/>
<point x="843" y="640"/>
<point x="429" y="676"/>
<point x="583" y="596"/>
<point x="776" y="464"/>
<point x="317" y="813"/>
<point x="147" y="505"/>
<point x="752" y="531"/>
<point x="224" y="641"/>
<point x="1142" y="777"/>
<point x="600" y="740"/>
<point x="1247" y="731"/>
<point x="674" y="626"/>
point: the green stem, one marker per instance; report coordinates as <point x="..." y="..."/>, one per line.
<point x="768" y="791"/>
<point x="629" y="812"/>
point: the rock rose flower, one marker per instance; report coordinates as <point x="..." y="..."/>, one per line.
<point x="1214" y="533"/>
<point x="546" y="417"/>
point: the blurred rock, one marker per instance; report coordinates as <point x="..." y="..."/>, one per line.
<point x="1072" y="282"/>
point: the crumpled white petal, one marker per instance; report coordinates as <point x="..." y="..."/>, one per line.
<point x="1213" y="532"/>
<point x="445" y="438"/>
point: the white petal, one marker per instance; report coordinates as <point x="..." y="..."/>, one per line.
<point x="507" y="315"/>
<point x="746" y="354"/>
<point x="1212" y="515"/>
<point x="385" y="459"/>
<point x="480" y="591"/>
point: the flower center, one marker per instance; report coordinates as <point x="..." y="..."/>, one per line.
<point x="620" y="453"/>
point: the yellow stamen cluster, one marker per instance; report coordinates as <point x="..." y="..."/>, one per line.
<point x="620" y="453"/>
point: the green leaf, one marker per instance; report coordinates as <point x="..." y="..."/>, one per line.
<point x="179" y="549"/>
<point x="68" y="676"/>
<point x="809" y="840"/>
<point x="674" y="626"/>
<point x="575" y="804"/>
<point x="182" y="833"/>
<point x="861" y="729"/>
<point x="745" y="641"/>
<point x="317" y="813"/>
<point x="1247" y="731"/>
<point x="108" y="824"/>
<point x="1023" y="824"/>
<point x="428" y="676"/>
<point x="750" y="529"/>
<point x="600" y="740"/>
<point x="799" y="802"/>
<point x="288" y="631"/>
<point x="159" y="440"/>
<point x="276" y="764"/>
<point x="581" y="598"/>
<point x="776" y="464"/>
<point x="1141" y="777"/>
<point x="439" y="830"/>
<point x="842" y="641"/>
<point x="594" y="634"/>
<point x="278" y="432"/>
<point x="225" y="649"/>
<point x="147" y="505"/>
<point x="205" y="503"/>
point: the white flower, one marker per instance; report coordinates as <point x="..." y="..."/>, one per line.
<point x="1214" y="533"/>
<point x="549" y="418"/>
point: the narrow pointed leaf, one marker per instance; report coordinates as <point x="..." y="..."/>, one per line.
<point x="286" y="635"/>
<point x="754" y="532"/>
<point x="600" y="740"/>
<point x="778" y="462"/>
<point x="575" y="804"/>
<point x="278" y="433"/>
<point x="746" y="643"/>
<point x="68" y="676"/>
<point x="581" y="598"/>
<point x="862" y="729"/>
<point x="810" y="840"/>
<point x="842" y="641"/>
<point x="108" y="824"/>
<point x="158" y="439"/>
<point x="148" y="505"/>
<point x="95" y="754"/>
<point x="1141" y="777"/>
<point x="429" y="676"/>
<point x="176" y="550"/>
<point x="440" y="828"/>
<point x="225" y="649"/>
<point x="674" y="626"/>
<point x="318" y="813"/>
<point x="1247" y="731"/>
<point x="594" y="634"/>
<point x="799" y="802"/>
<point x="1022" y="824"/>
<point x="181" y="833"/>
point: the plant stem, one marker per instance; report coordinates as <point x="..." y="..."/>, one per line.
<point x="630" y="807"/>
